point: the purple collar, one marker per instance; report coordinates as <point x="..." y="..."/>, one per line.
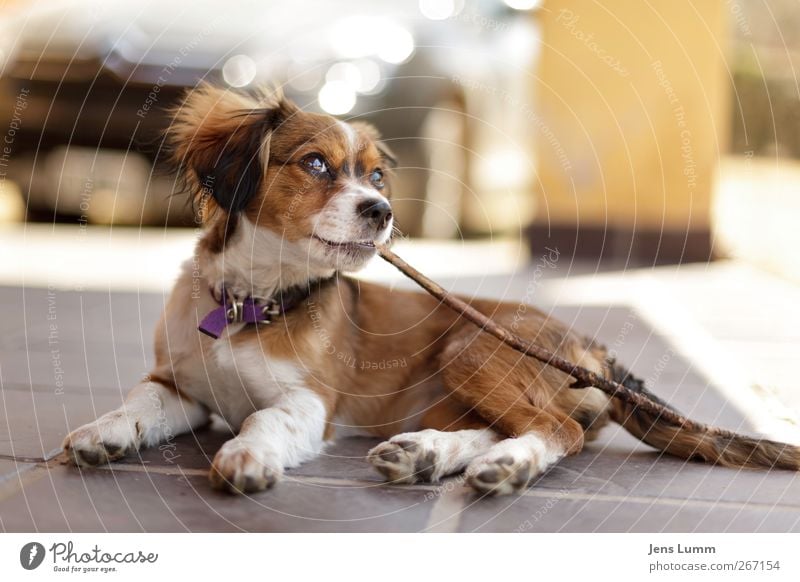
<point x="250" y="310"/>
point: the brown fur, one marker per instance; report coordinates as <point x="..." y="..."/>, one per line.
<point x="211" y="121"/>
<point x="289" y="199"/>
<point x="726" y="450"/>
<point x="386" y="360"/>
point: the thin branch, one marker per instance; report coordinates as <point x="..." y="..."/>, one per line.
<point x="584" y="378"/>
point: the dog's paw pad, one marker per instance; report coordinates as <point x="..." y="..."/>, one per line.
<point x="500" y="476"/>
<point x="103" y="441"/>
<point x="84" y="457"/>
<point x="91" y="454"/>
<point x="404" y="461"/>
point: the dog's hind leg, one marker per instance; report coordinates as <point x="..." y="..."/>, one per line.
<point x="452" y="437"/>
<point x="511" y="465"/>
<point x="542" y="439"/>
<point x="510" y="392"/>
<point x="154" y="411"/>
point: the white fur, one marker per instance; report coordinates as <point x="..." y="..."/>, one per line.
<point x="257" y="262"/>
<point x="433" y="454"/>
<point x="350" y="134"/>
<point x="281" y="421"/>
<point x="511" y="464"/>
<point x="235" y="382"/>
<point x="283" y="435"/>
<point x="339" y="220"/>
<point x="152" y="413"/>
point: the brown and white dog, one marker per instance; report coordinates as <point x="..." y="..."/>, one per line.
<point x="290" y="200"/>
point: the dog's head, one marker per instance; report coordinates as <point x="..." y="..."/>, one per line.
<point x="319" y="183"/>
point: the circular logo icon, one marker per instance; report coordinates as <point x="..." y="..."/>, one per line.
<point x="31" y="555"/>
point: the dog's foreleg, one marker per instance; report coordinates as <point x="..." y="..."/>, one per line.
<point x="282" y="436"/>
<point x="153" y="412"/>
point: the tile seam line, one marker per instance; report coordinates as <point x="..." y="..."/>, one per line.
<point x="25" y="459"/>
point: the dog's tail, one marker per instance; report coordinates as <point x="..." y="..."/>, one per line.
<point x="707" y="443"/>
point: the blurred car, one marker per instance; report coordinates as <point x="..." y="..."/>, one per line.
<point x="96" y="79"/>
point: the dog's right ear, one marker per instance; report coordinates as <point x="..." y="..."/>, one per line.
<point x="219" y="144"/>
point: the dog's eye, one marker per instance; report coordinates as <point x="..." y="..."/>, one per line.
<point x="376" y="179"/>
<point x="316" y="165"/>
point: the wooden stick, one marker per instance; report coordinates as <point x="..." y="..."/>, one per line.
<point x="584" y="378"/>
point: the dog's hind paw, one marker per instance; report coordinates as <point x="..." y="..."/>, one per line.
<point x="511" y="465"/>
<point x="500" y="476"/>
<point x="404" y="460"/>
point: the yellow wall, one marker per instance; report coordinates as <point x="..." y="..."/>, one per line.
<point x="633" y="101"/>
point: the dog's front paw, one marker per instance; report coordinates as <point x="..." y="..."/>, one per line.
<point x="406" y="458"/>
<point x="110" y="437"/>
<point x="241" y="467"/>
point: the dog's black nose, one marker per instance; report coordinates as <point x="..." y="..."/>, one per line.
<point x="377" y="212"/>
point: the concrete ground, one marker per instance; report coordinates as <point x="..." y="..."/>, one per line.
<point x="718" y="341"/>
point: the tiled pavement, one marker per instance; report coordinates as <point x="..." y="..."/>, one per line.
<point x="67" y="357"/>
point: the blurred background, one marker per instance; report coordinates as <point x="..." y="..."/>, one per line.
<point x="623" y="134"/>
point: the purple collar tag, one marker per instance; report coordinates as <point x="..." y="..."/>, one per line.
<point x="252" y="310"/>
<point x="215" y="322"/>
<point x="233" y="311"/>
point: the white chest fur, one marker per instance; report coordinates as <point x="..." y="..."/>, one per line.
<point x="235" y="380"/>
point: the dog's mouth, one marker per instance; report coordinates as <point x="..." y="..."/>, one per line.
<point x="347" y="246"/>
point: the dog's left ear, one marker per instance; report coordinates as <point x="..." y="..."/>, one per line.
<point x="219" y="142"/>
